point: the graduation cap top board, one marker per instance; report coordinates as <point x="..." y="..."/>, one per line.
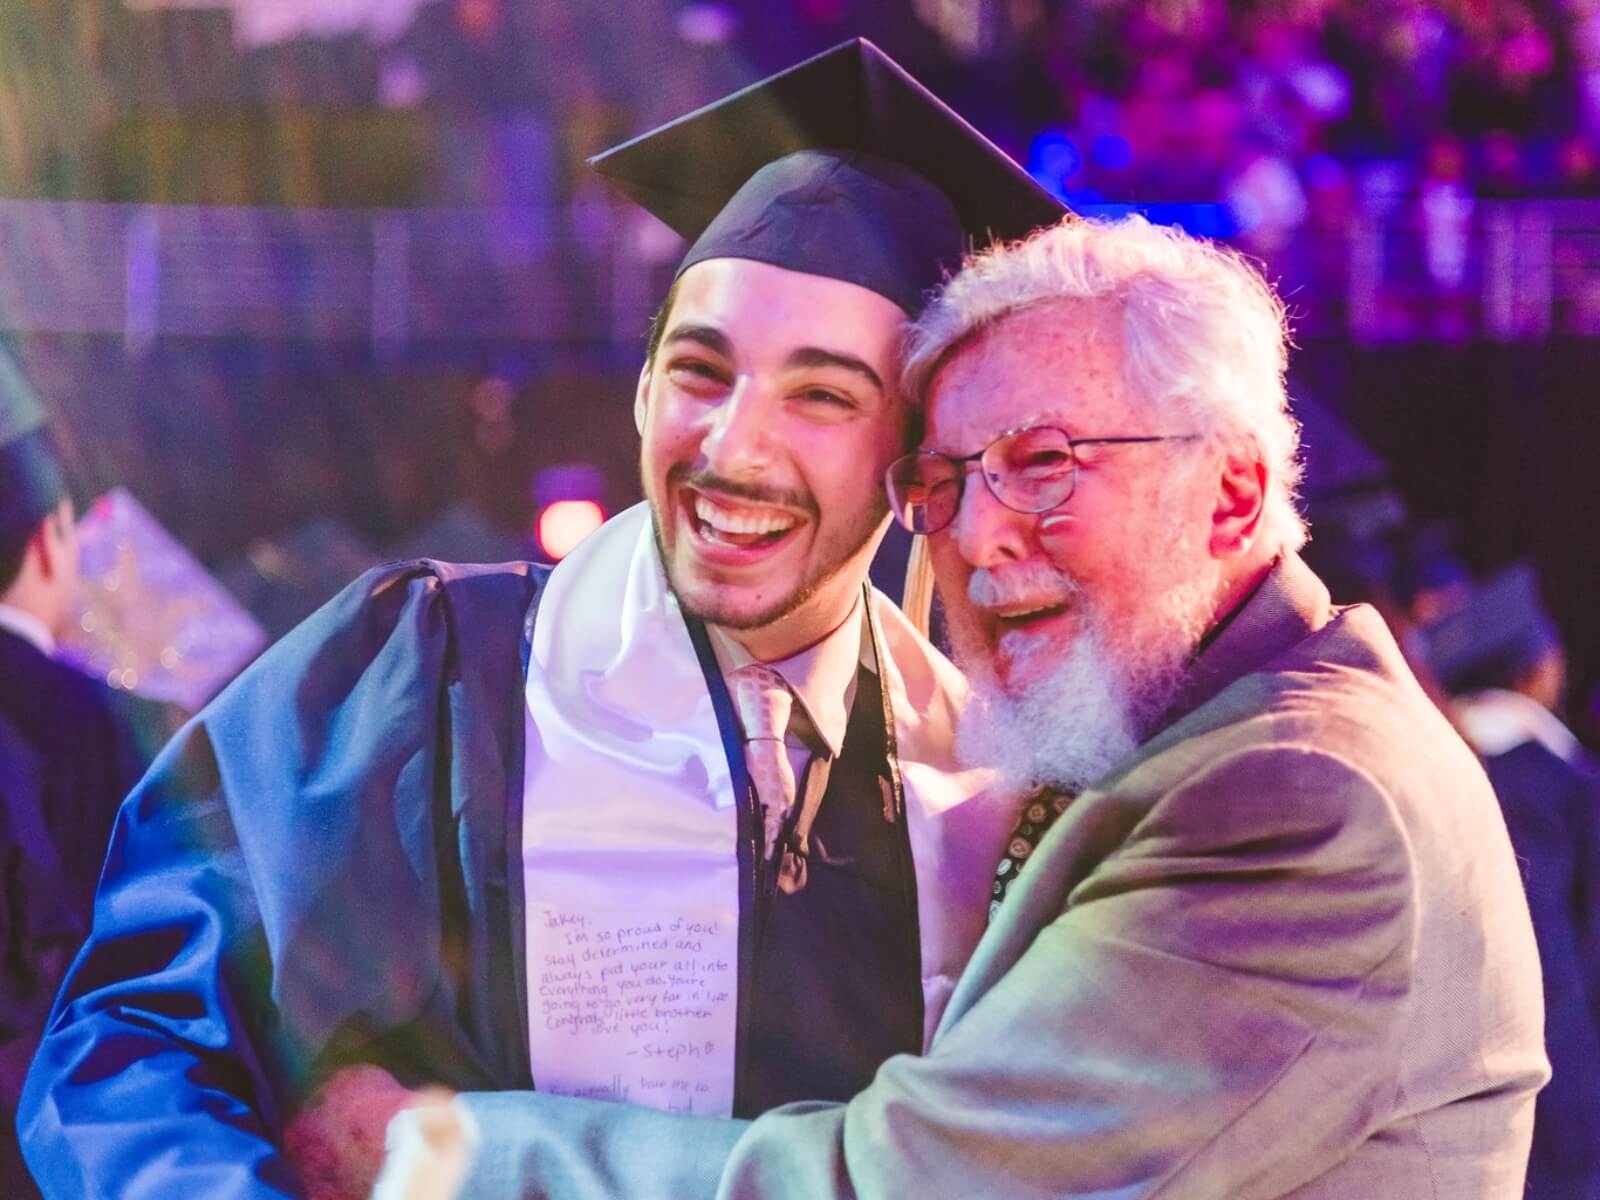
<point x="150" y="618"/>
<point x="843" y="166"/>
<point x="1500" y="631"/>
<point x="31" y="483"/>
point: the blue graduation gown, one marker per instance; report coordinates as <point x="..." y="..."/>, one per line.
<point x="324" y="868"/>
<point x="1552" y="811"/>
<point x="243" y="945"/>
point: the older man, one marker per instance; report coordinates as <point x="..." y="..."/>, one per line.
<point x="1258" y="932"/>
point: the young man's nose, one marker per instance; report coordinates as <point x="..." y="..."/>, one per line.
<point x="740" y="433"/>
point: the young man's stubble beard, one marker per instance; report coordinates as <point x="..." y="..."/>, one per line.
<point x="827" y="566"/>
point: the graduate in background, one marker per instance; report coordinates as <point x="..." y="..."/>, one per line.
<point x="1500" y="656"/>
<point x="69" y="750"/>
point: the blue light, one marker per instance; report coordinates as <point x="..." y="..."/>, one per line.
<point x="1053" y="157"/>
<point x="1202" y="220"/>
<point x="1112" y="152"/>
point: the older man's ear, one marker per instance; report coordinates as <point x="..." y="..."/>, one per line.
<point x="1240" y="498"/>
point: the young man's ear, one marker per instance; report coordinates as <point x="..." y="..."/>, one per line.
<point x="640" y="398"/>
<point x="54" y="538"/>
<point x="1241" y="497"/>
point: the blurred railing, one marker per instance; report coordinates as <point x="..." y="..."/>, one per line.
<point x="1513" y="270"/>
<point x="590" y="274"/>
<point x="323" y="275"/>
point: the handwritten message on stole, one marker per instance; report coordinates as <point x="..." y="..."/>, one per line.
<point x="629" y="855"/>
<point x="633" y="1006"/>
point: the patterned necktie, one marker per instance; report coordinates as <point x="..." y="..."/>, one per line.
<point x="764" y="702"/>
<point x="1038" y="814"/>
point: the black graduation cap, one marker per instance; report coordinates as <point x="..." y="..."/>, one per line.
<point x="843" y="166"/>
<point x="1501" y="630"/>
<point x="1428" y="562"/>
<point x="31" y="483"/>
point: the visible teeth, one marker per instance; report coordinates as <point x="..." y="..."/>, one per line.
<point x="1018" y="614"/>
<point x="742" y="521"/>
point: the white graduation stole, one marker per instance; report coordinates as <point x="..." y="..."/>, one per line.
<point x="630" y="864"/>
<point x="628" y="838"/>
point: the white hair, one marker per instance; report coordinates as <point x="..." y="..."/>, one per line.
<point x="1204" y="336"/>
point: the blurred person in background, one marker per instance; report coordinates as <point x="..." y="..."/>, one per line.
<point x="1501" y="657"/>
<point x="69" y="750"/>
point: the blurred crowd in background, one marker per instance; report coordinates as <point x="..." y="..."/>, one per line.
<point x="1287" y="110"/>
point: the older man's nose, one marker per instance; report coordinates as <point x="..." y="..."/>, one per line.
<point x="986" y="531"/>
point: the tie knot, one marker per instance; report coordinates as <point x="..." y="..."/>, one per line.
<point x="764" y="701"/>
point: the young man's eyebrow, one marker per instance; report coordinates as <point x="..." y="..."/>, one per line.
<point x="717" y="342"/>
<point x="816" y="356"/>
<point x="710" y="337"/>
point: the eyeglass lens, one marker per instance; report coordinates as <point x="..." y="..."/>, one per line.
<point x="1030" y="470"/>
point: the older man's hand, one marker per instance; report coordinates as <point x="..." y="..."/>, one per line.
<point x="336" y="1141"/>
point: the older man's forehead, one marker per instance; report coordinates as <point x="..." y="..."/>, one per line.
<point x="1061" y="366"/>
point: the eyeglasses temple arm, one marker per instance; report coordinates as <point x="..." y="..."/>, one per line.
<point x="1134" y="441"/>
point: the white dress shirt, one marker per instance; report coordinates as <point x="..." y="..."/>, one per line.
<point x="823" y="680"/>
<point x="29" y="628"/>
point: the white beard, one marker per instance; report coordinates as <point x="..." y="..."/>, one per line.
<point x="1080" y="715"/>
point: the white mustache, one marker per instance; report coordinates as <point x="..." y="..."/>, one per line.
<point x="1029" y="581"/>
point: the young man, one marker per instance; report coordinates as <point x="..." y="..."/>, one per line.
<point x="1258" y="933"/>
<point x="415" y="838"/>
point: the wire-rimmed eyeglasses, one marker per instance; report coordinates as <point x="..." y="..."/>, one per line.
<point x="1029" y="470"/>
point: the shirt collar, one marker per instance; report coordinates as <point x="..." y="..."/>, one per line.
<point x="822" y="676"/>
<point x="29" y="628"/>
<point x="1497" y="722"/>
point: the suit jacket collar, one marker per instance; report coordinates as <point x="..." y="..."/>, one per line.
<point x="1289" y="605"/>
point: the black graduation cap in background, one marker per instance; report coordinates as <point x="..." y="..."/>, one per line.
<point x="31" y="483"/>
<point x="843" y="166"/>
<point x="1501" y="630"/>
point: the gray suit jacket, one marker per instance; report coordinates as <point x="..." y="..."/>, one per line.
<point x="1281" y="951"/>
